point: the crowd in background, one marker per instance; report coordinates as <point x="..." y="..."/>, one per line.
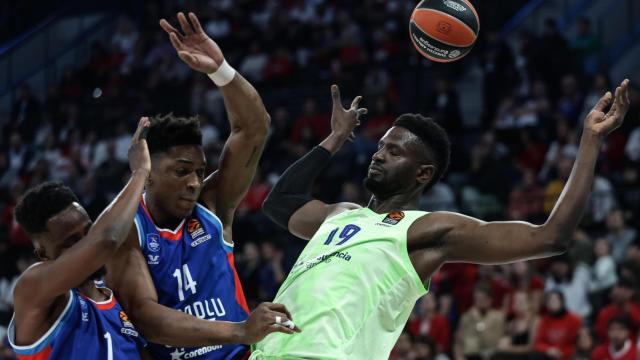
<point x="511" y="165"/>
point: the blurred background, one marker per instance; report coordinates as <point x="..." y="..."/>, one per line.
<point x="76" y="76"/>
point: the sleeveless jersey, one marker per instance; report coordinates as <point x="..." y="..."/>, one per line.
<point x="351" y="290"/>
<point x="85" y="330"/>
<point x="193" y="271"/>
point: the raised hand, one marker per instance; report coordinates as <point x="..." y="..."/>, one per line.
<point x="264" y="321"/>
<point x="344" y="121"/>
<point x="193" y="46"/>
<point x="139" y="158"/>
<point x="601" y="124"/>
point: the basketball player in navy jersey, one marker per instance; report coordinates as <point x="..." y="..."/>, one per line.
<point x="176" y="273"/>
<point x="60" y="311"/>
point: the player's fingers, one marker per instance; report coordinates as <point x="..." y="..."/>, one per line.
<point x="140" y="134"/>
<point x="188" y="58"/>
<point x="177" y="44"/>
<point x="184" y="24"/>
<point x="168" y="28"/>
<point x="360" y="112"/>
<point x="196" y="23"/>
<point x="626" y="92"/>
<point x="280" y="308"/>
<point x="356" y="101"/>
<point x="335" y="96"/>
<point x="604" y="101"/>
<point x="282" y="329"/>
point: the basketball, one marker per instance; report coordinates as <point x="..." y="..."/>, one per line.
<point x="444" y="30"/>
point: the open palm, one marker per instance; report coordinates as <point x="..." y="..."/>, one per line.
<point x="193" y="46"/>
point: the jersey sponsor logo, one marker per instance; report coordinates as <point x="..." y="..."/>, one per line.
<point x="153" y="242"/>
<point x="326" y="258"/>
<point x="393" y="218"/>
<point x="200" y="240"/>
<point x="180" y="353"/>
<point x="153" y="259"/>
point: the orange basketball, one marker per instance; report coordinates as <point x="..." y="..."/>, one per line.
<point x="444" y="30"/>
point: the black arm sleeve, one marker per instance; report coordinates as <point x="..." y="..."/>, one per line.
<point x="293" y="189"/>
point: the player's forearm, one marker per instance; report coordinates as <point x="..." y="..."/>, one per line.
<point x="163" y="325"/>
<point x="334" y="142"/>
<point x="569" y="208"/>
<point x="115" y="221"/>
<point x="245" y="109"/>
<point x="293" y="189"/>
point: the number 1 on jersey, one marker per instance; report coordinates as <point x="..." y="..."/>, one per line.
<point x="109" y="346"/>
<point x="189" y="284"/>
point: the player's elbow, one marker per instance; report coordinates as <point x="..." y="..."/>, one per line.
<point x="109" y="239"/>
<point x="557" y="242"/>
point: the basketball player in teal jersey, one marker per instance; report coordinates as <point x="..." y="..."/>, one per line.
<point x="358" y="278"/>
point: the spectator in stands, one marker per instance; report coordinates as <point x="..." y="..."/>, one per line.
<point x="526" y="199"/>
<point x="603" y="273"/>
<point x="26" y="113"/>
<point x="584" y="344"/>
<point x="586" y="46"/>
<point x="621" y="344"/>
<point x="558" y="329"/>
<point x="427" y="321"/>
<point x="619" y="234"/>
<point x="573" y="282"/>
<point x="622" y="304"/>
<point x="520" y="330"/>
<point x="481" y="328"/>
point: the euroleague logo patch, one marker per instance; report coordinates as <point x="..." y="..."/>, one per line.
<point x="194" y="228"/>
<point x="125" y="320"/>
<point x="393" y="217"/>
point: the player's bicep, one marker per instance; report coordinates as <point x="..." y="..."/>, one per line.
<point x="466" y="239"/>
<point x="307" y="220"/>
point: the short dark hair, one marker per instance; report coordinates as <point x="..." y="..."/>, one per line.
<point x="41" y="203"/>
<point x="623" y="320"/>
<point x="169" y="130"/>
<point x="435" y="139"/>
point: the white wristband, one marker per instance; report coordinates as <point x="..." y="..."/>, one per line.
<point x="223" y="75"/>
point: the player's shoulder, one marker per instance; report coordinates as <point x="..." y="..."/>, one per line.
<point x="341" y="207"/>
<point x="29" y="279"/>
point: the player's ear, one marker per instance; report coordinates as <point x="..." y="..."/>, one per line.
<point x="425" y="173"/>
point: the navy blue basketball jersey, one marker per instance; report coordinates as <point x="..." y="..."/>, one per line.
<point x="193" y="271"/>
<point x="85" y="330"/>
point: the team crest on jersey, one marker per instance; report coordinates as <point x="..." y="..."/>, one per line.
<point x="393" y="218"/>
<point x="153" y="242"/>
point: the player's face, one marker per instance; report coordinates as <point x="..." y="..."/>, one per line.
<point x="397" y="167"/>
<point x="63" y="230"/>
<point x="176" y="179"/>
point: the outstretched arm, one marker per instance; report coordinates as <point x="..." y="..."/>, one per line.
<point x="40" y="284"/>
<point x="290" y="203"/>
<point x="249" y="121"/>
<point x="129" y="276"/>
<point x="461" y="238"/>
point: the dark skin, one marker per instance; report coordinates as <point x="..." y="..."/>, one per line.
<point x="72" y="249"/>
<point x="439" y="237"/>
<point x="176" y="183"/>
